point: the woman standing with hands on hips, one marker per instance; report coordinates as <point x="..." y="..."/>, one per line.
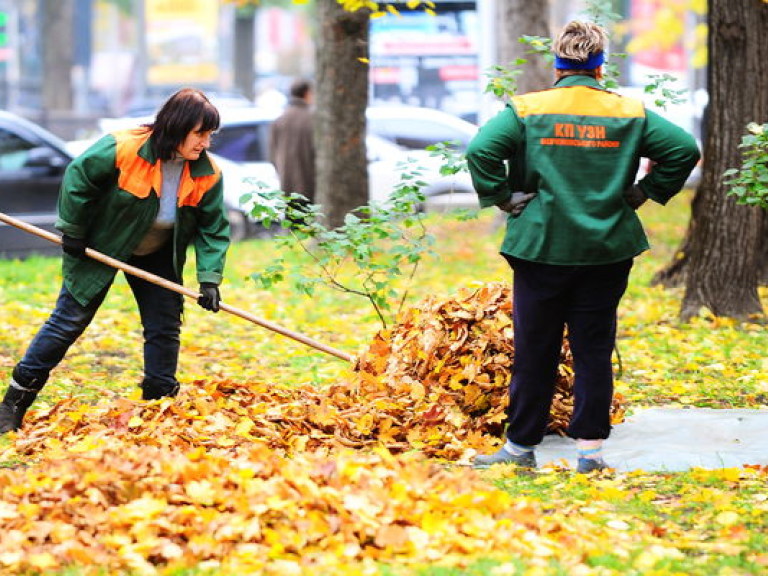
<point x="562" y="162"/>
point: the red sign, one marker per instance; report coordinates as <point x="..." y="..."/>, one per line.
<point x="469" y="72"/>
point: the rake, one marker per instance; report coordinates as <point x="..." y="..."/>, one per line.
<point x="173" y="286"/>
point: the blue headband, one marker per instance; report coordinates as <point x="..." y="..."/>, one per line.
<point x="590" y="63"/>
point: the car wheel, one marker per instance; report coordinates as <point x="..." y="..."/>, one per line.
<point x="238" y="225"/>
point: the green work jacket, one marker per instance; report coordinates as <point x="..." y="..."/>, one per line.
<point x="110" y="197"/>
<point x="578" y="147"/>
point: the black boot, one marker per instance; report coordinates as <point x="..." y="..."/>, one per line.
<point x="155" y="389"/>
<point x="20" y="394"/>
<point x="14" y="406"/>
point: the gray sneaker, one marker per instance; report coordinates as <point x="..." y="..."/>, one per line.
<point x="527" y="460"/>
<point x="587" y="465"/>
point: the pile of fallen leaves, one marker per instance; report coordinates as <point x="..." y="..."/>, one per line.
<point x="436" y="382"/>
<point x="454" y="357"/>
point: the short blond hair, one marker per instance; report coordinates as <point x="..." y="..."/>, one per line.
<point x="579" y="40"/>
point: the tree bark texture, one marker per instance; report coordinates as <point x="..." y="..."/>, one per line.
<point x="518" y="18"/>
<point x="58" y="54"/>
<point x="341" y="100"/>
<point x="725" y="245"/>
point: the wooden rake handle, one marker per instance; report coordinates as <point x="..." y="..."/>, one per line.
<point x="174" y="287"/>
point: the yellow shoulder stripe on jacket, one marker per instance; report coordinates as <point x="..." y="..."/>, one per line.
<point x="580" y="101"/>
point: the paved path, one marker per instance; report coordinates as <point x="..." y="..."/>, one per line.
<point x="676" y="439"/>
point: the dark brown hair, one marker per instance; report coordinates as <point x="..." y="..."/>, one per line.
<point x="181" y="114"/>
<point x="300" y="88"/>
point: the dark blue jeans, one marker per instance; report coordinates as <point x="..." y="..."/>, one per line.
<point x="548" y="298"/>
<point x="160" y="311"/>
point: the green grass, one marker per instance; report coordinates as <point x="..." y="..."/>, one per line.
<point x="694" y="511"/>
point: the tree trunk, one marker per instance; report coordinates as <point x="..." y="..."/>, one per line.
<point x="58" y="54"/>
<point x="245" y="50"/>
<point x="763" y="274"/>
<point x="725" y="245"/>
<point x="515" y="19"/>
<point x="341" y="100"/>
<point x="675" y="273"/>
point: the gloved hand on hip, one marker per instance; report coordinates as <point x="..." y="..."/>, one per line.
<point x="634" y="196"/>
<point x="209" y="296"/>
<point x="74" y="246"/>
<point x="517" y="203"/>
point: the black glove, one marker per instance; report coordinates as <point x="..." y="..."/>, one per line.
<point x="74" y="246"/>
<point x="209" y="296"/>
<point x="517" y="203"/>
<point x="634" y="196"/>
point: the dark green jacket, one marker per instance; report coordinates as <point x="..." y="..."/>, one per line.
<point x="578" y="147"/>
<point x="110" y="197"/>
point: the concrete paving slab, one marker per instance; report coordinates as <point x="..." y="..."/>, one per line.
<point x="676" y="439"/>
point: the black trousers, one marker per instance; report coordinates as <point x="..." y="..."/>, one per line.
<point x="548" y="298"/>
<point x="160" y="311"/>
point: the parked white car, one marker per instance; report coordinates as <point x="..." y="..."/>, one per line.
<point x="415" y="128"/>
<point x="388" y="162"/>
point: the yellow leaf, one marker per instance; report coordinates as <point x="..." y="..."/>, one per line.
<point x="364" y="424"/>
<point x="141" y="509"/>
<point x="434" y="524"/>
<point x="244" y="427"/>
<point x="727" y="518"/>
<point x="27" y="509"/>
<point x="652" y="555"/>
<point x="201" y="492"/>
<point x="418" y="391"/>
<point x="42" y="561"/>
<point x="618" y="525"/>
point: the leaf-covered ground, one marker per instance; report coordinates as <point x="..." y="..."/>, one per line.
<point x="278" y="459"/>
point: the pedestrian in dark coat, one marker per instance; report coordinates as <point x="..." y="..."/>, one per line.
<point x="292" y="143"/>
